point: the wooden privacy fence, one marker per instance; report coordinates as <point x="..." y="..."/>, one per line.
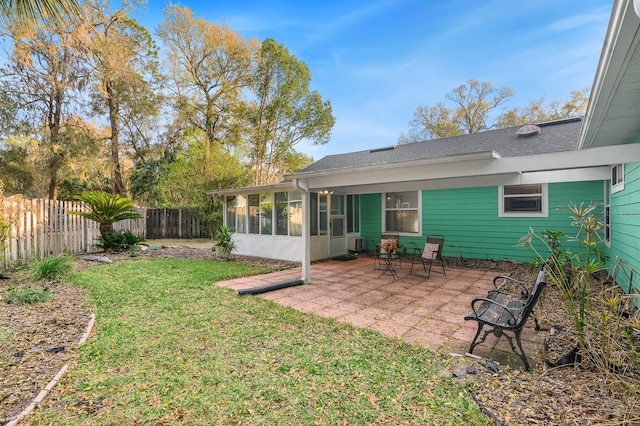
<point x="42" y="227"/>
<point x="174" y="223"/>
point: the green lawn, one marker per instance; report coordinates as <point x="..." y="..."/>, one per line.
<point x="171" y="347"/>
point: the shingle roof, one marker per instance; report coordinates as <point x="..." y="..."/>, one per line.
<point x="555" y="136"/>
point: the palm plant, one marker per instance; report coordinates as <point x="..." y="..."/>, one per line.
<point x="106" y="209"/>
<point x="35" y="9"/>
<point x="224" y="242"/>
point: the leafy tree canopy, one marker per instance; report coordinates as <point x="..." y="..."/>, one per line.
<point x="282" y="113"/>
<point x="473" y="107"/>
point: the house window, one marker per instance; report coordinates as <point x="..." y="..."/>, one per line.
<point x="295" y="213"/>
<point x="353" y="213"/>
<point x="266" y="214"/>
<point x="337" y="215"/>
<point x="241" y="214"/>
<point x="318" y="210"/>
<point x="237" y="213"/>
<point x="282" y="217"/>
<point x="401" y="212"/>
<point x="254" y="214"/>
<point x="231" y="212"/>
<point x="260" y="214"/>
<point x="337" y="205"/>
<point x="523" y="201"/>
<point x="607" y="213"/>
<point x="617" y="178"/>
<point x="288" y="213"/>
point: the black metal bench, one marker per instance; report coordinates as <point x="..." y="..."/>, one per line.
<point x="506" y="310"/>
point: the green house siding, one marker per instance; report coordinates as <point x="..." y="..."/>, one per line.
<point x="625" y="224"/>
<point x="468" y="218"/>
<point x="371" y="219"/>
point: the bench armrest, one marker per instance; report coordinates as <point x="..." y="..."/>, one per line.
<point x="486" y="305"/>
<point x="502" y="280"/>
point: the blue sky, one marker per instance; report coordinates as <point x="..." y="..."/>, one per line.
<point x="378" y="60"/>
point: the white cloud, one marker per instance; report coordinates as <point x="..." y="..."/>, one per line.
<point x="577" y="21"/>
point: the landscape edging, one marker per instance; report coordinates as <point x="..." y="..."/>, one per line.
<point x="44" y="392"/>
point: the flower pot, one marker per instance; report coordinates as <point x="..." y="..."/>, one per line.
<point x="223" y="253"/>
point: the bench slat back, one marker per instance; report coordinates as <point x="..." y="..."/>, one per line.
<point x="533" y="298"/>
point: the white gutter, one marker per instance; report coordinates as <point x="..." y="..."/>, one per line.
<point x="306" y="234"/>
<point x="399" y="173"/>
<point x="282" y="186"/>
<point x="484" y="155"/>
<point x="593" y="118"/>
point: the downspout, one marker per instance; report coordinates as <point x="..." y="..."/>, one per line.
<point x="306" y="235"/>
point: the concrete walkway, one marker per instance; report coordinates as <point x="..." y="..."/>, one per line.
<point x="424" y="311"/>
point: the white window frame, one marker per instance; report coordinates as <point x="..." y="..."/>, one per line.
<point x="544" y="208"/>
<point x="338" y="227"/>
<point x="419" y="209"/>
<point x="294" y="198"/>
<point x="319" y="214"/>
<point x="617" y="177"/>
<point x="227" y="212"/>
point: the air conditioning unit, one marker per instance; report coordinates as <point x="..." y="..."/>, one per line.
<point x="356" y="243"/>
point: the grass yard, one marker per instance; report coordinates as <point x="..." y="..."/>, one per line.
<point x="171" y="347"/>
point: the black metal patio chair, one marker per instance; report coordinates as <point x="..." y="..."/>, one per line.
<point x="432" y="252"/>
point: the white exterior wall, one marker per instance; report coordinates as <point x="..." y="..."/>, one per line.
<point x="270" y="246"/>
<point x="280" y="246"/>
<point x="319" y="247"/>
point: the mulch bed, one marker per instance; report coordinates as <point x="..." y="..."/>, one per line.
<point x="561" y="390"/>
<point x="40" y="338"/>
<point x="37" y="341"/>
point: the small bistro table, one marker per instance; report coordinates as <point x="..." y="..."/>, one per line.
<point x="388" y="264"/>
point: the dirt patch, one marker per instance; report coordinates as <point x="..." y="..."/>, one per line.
<point x="36" y="341"/>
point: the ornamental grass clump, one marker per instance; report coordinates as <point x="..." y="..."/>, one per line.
<point x="27" y="296"/>
<point x="57" y="267"/>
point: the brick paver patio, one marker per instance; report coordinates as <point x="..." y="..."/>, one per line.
<point x="424" y="311"/>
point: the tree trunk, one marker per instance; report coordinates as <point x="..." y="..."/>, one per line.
<point x="106" y="229"/>
<point x="53" y="185"/>
<point x="56" y="159"/>
<point x="118" y="186"/>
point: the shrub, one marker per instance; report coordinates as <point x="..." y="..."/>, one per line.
<point x="28" y="296"/>
<point x="56" y="267"/>
<point x="120" y="241"/>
